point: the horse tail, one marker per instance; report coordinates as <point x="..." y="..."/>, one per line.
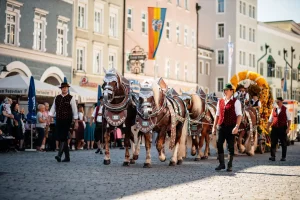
<point x="183" y="139"/>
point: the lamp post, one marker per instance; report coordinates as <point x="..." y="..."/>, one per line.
<point x="290" y="65"/>
<point x="197" y="32"/>
<point x="4" y="69"/>
<point x="266" y="47"/>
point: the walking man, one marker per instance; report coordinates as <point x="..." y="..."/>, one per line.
<point x="97" y="118"/>
<point x="65" y="109"/>
<point x="228" y="119"/>
<point x="280" y="120"/>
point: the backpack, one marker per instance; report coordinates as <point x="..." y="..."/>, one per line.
<point x="2" y="117"/>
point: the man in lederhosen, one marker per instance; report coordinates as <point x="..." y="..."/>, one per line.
<point x="64" y="106"/>
<point x="280" y="120"/>
<point x="97" y="118"/>
<point x="228" y="119"/>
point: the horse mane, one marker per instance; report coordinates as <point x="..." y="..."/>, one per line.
<point x="156" y="91"/>
<point x="197" y="104"/>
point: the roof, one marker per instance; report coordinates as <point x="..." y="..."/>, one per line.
<point x="205" y="48"/>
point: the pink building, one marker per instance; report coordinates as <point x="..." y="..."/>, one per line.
<point x="176" y="55"/>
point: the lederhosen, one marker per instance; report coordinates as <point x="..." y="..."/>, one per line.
<point x="98" y="129"/>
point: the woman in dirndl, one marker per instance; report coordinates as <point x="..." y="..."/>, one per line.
<point x="80" y="129"/>
<point x="89" y="131"/>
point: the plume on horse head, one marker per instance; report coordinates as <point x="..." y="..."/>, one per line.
<point x="112" y="75"/>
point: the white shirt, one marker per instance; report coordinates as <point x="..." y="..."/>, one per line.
<point x="99" y="118"/>
<point x="52" y="112"/>
<point x="237" y="106"/>
<point x="259" y="104"/>
<point x="278" y="111"/>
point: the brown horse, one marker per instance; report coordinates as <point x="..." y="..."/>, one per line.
<point x="202" y="114"/>
<point x="164" y="115"/>
<point x="119" y="111"/>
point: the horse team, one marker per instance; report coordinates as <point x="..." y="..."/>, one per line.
<point x="157" y="108"/>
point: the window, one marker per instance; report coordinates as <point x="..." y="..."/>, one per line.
<point x="167" y="69"/>
<point x="62" y="33"/>
<point x="244" y="8"/>
<point x="253" y="12"/>
<point x="261" y="69"/>
<point x="250" y="11"/>
<point x="207" y="68"/>
<point x="250" y="34"/>
<point x="39" y="34"/>
<point x="12" y="26"/>
<point x="244" y="58"/>
<point x="201" y="67"/>
<point x="98" y="60"/>
<point x="168" y="30"/>
<point x="186" y="4"/>
<point x="270" y="50"/>
<point x="250" y="60"/>
<point x="112" y="58"/>
<point x="127" y="62"/>
<point x="253" y="57"/>
<point x="294" y="56"/>
<point x="221" y="57"/>
<point x="287" y="74"/>
<point x="113" y="22"/>
<point x="99" y="19"/>
<point x="261" y="48"/>
<point x="178" y="3"/>
<point x="279" y="72"/>
<point x="177" y="70"/>
<point x="129" y="18"/>
<point x="220" y="84"/>
<point x="278" y="92"/>
<point x="193" y="39"/>
<point x="244" y="32"/>
<point x="82" y="15"/>
<point x="294" y="94"/>
<point x="144" y="25"/>
<point x="279" y="52"/>
<point x="241" y="5"/>
<point x="253" y="36"/>
<point x="294" y="75"/>
<point x="271" y="70"/>
<point x="220" y="6"/>
<point x="220" y="30"/>
<point x="178" y="34"/>
<point x="240" y="58"/>
<point x="185" y="72"/>
<point x="80" y="58"/>
<point x="185" y="39"/>
<point x="241" y="31"/>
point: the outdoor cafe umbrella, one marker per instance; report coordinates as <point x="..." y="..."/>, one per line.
<point x="31" y="116"/>
<point x="99" y="95"/>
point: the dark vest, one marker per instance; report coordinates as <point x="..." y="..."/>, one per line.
<point x="255" y="104"/>
<point x="281" y="119"/>
<point x="63" y="107"/>
<point x="227" y="115"/>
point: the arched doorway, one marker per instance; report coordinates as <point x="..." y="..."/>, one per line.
<point x="52" y="81"/>
<point x="12" y="74"/>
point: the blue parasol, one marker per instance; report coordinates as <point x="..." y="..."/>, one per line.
<point x="31" y="116"/>
<point x="99" y="95"/>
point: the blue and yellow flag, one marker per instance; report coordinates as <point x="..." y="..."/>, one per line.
<point x="156" y="19"/>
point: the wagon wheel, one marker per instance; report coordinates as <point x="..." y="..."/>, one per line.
<point x="261" y="147"/>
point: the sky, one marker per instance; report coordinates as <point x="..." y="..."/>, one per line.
<point x="277" y="10"/>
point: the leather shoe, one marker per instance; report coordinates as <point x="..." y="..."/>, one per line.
<point x="272" y="158"/>
<point x="282" y="159"/>
<point x="66" y="160"/>
<point x="98" y="150"/>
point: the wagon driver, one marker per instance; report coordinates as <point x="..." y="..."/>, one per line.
<point x="64" y="106"/>
<point x="228" y="119"/>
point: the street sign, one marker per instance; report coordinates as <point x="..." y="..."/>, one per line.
<point x="137" y="57"/>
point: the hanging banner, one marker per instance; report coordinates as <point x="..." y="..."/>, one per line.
<point x="156" y="19"/>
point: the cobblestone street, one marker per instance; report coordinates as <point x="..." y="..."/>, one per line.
<point x="33" y="175"/>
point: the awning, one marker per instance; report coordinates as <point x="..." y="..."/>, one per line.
<point x="85" y="95"/>
<point x="19" y="85"/>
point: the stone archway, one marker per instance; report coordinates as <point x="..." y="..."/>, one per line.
<point x="52" y="81"/>
<point x="53" y="72"/>
<point x="12" y="74"/>
<point x="16" y="67"/>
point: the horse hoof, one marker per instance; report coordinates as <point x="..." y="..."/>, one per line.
<point x="179" y="162"/>
<point x="126" y="164"/>
<point x="193" y="154"/>
<point x="204" y="158"/>
<point x="147" y="165"/>
<point x="197" y="159"/>
<point x="132" y="161"/>
<point x="172" y="163"/>
<point x="106" y="162"/>
<point x="135" y="157"/>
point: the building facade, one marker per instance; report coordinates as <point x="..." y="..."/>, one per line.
<point x="98" y="40"/>
<point x="279" y="36"/>
<point x="36" y="39"/>
<point x="205" y="58"/>
<point x="221" y="21"/>
<point x="176" y="56"/>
